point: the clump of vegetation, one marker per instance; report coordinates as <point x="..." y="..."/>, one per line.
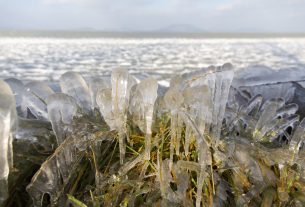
<point x="205" y="148"/>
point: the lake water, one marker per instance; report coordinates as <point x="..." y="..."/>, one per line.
<point x="32" y="57"/>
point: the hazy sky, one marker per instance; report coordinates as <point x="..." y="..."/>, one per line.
<point x="145" y="15"/>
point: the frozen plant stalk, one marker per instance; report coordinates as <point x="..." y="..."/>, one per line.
<point x="7" y="121"/>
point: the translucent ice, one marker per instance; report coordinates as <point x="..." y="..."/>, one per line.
<point x="209" y="91"/>
<point x="142" y="104"/>
<point x="114" y="102"/>
<point x="121" y="83"/>
<point x="54" y="173"/>
<point x="104" y="101"/>
<point x="166" y="176"/>
<point x="95" y="85"/>
<point x="220" y="94"/>
<point x="34" y="99"/>
<point x="74" y="85"/>
<point x="297" y="139"/>
<point x="61" y="109"/>
<point x="174" y="101"/>
<point x="18" y="89"/>
<point x="7" y="123"/>
<point x="285" y="90"/>
<point x="274" y="119"/>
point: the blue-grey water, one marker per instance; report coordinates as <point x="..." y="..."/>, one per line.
<point x="46" y="57"/>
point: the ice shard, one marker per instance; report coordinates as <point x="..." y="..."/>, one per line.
<point x="62" y="108"/>
<point x="74" y="85"/>
<point x="7" y="124"/>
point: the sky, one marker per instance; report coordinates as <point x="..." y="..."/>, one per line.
<point x="153" y="15"/>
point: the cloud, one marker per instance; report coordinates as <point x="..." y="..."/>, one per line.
<point x="215" y="16"/>
<point x="50" y="2"/>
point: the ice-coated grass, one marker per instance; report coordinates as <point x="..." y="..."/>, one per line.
<point x="198" y="143"/>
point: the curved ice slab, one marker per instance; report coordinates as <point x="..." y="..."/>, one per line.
<point x="95" y="85"/>
<point x="30" y="98"/>
<point x="34" y="99"/>
<point x="74" y="85"/>
<point x="7" y="122"/>
<point x="61" y="109"/>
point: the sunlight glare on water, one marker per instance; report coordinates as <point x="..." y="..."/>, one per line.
<point x="35" y="58"/>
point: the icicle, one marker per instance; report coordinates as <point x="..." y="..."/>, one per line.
<point x="121" y="83"/>
<point x="221" y="92"/>
<point x="8" y="117"/>
<point x="212" y="87"/>
<point x="146" y="93"/>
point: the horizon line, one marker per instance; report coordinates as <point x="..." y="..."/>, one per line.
<point x="121" y="33"/>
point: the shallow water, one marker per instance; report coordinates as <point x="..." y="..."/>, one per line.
<point x="36" y="58"/>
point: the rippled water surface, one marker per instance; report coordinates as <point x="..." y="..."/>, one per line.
<point x="47" y="58"/>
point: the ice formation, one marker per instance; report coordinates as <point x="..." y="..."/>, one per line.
<point x="74" y="85"/>
<point x="34" y="99"/>
<point x="7" y="123"/>
<point x="142" y="108"/>
<point x="203" y="141"/>
<point x="62" y="108"/>
<point x="114" y="103"/>
<point x="95" y="85"/>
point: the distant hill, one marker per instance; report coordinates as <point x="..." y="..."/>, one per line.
<point x="183" y="28"/>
